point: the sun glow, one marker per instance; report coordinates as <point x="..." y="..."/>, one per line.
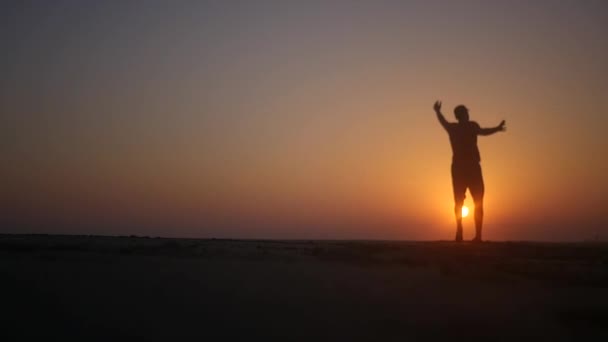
<point x="465" y="211"/>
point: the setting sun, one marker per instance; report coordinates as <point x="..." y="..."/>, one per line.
<point x="465" y="211"/>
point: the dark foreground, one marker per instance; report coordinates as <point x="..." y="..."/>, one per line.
<point x="98" y="288"/>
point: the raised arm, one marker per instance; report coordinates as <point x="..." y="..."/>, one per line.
<point x="492" y="130"/>
<point x="440" y="117"/>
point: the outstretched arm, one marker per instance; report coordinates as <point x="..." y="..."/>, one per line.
<point x="492" y="130"/>
<point x="440" y="117"/>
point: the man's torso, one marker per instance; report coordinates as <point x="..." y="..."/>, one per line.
<point x="463" y="138"/>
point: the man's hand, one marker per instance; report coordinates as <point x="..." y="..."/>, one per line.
<point x="502" y="127"/>
<point x="442" y="120"/>
<point x="488" y="131"/>
<point x="437" y="107"/>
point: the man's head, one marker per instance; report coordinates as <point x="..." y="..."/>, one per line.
<point x="462" y="113"/>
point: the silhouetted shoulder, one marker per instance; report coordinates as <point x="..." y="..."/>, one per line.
<point x="451" y="126"/>
<point x="475" y="126"/>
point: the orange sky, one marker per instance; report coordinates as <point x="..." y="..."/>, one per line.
<point x="302" y="121"/>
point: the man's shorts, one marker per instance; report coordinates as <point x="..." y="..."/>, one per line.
<point x="467" y="176"/>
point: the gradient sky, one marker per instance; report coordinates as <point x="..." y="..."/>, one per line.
<point x="285" y="119"/>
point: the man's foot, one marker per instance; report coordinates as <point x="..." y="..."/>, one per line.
<point x="476" y="239"/>
<point x="459" y="235"/>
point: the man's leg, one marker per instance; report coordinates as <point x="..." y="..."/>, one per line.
<point x="460" y="187"/>
<point x="478" y="219"/>
<point x="458" y="212"/>
<point x="478" y="190"/>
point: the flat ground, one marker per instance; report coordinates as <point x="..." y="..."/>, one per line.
<point x="97" y="288"/>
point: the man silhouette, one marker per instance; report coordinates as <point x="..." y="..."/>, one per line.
<point x="466" y="171"/>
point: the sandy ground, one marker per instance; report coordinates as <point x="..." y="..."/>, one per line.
<point x="96" y="288"/>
